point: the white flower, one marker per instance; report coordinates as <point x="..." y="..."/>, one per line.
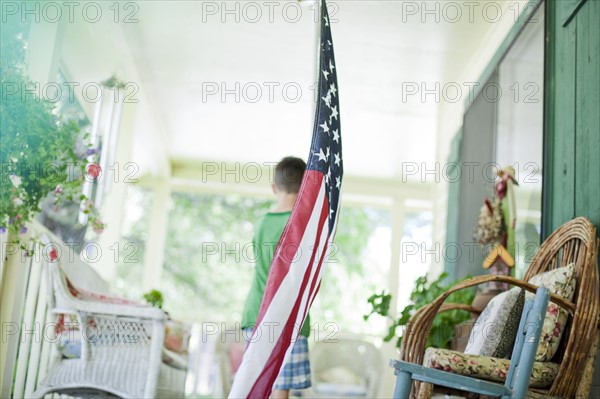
<point x="15" y="180"/>
<point x="18" y="201"/>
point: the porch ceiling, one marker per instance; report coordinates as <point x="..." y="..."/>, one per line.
<point x="180" y="50"/>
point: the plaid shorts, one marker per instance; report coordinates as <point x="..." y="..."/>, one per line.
<point x="296" y="372"/>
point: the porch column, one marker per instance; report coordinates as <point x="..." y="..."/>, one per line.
<point x="388" y="349"/>
<point x="113" y="205"/>
<point x="157" y="236"/>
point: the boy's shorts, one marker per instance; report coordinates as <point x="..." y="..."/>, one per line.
<point x="296" y="372"/>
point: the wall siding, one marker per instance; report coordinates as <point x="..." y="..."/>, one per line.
<point x="572" y="134"/>
<point x="572" y="117"/>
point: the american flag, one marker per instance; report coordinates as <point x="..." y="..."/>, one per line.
<point x="298" y="263"/>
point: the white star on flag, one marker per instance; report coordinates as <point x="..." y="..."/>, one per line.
<point x="332" y="89"/>
<point x="321" y="155"/>
<point x="334" y="113"/>
<point x="327" y="99"/>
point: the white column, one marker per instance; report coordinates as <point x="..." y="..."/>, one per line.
<point x="113" y="207"/>
<point x="157" y="236"/>
<point x="388" y="349"/>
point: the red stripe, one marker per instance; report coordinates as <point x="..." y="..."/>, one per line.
<point x="264" y="383"/>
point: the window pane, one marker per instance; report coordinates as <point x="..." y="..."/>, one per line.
<point x="520" y="132"/>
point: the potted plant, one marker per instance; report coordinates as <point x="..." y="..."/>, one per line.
<point x="425" y="291"/>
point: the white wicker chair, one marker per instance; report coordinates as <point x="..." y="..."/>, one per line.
<point x="121" y="351"/>
<point x="344" y="368"/>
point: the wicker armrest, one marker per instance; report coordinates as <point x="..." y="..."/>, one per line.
<point x="110" y="309"/>
<point x="458" y="306"/>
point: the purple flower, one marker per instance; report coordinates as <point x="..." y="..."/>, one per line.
<point x="23" y="230"/>
<point x="2" y="229"/>
<point x="58" y="189"/>
<point x="90" y="151"/>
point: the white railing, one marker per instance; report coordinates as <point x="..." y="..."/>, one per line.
<point x="26" y="329"/>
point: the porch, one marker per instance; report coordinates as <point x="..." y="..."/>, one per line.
<point x="190" y="105"/>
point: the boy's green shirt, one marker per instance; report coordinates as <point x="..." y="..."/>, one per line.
<point x="266" y="236"/>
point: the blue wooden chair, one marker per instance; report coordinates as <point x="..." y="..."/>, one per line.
<point x="517" y="380"/>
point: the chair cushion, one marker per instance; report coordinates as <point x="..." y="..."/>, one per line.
<point x="485" y="367"/>
<point x="560" y="281"/>
<point x="495" y="330"/>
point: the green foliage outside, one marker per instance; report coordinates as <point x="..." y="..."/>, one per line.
<point x="208" y="257"/>
<point x="442" y="328"/>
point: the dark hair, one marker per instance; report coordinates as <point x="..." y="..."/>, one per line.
<point x="288" y="174"/>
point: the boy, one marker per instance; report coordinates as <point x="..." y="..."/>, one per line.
<point x="288" y="176"/>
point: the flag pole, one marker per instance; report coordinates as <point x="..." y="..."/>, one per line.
<point x="317" y="59"/>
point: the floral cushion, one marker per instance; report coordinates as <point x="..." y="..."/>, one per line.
<point x="561" y="282"/>
<point x="484" y="367"/>
<point x="494" y="332"/>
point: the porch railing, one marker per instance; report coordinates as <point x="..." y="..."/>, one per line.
<point x="27" y="332"/>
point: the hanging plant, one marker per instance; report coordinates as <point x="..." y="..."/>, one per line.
<point x="43" y="157"/>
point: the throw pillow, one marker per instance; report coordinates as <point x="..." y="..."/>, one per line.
<point x="495" y="330"/>
<point x="560" y="281"/>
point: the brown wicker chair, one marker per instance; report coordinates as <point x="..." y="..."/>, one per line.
<point x="574" y="242"/>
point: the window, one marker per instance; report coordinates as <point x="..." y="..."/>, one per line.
<point x="519" y="132"/>
<point x="502" y="127"/>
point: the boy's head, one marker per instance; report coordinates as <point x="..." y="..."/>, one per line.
<point x="288" y="174"/>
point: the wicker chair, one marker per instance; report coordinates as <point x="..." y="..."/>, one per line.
<point x="121" y="345"/>
<point x="345" y="368"/>
<point x="574" y="242"/>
